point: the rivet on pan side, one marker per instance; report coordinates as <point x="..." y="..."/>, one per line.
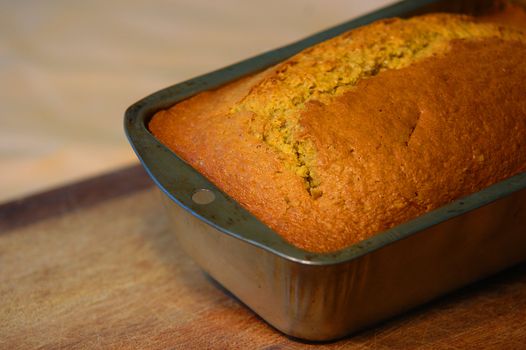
<point x="203" y="196"/>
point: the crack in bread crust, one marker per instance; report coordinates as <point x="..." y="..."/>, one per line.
<point x="330" y="69"/>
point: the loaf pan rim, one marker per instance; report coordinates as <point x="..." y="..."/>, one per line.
<point x="145" y="145"/>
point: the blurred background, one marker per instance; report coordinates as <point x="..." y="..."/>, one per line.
<point x="69" y="69"/>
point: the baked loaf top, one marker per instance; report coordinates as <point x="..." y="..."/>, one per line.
<point x="364" y="131"/>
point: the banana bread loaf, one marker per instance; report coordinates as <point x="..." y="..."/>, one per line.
<point x="364" y="131"/>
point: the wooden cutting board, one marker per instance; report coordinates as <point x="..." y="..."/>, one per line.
<point x="94" y="265"/>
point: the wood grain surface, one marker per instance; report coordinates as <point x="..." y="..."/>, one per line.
<point x="94" y="265"/>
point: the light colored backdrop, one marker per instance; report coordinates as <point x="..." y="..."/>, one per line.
<point x="69" y="69"/>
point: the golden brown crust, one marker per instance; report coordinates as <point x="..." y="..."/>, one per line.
<point x="401" y="143"/>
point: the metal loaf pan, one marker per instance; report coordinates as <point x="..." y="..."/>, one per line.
<point x="327" y="296"/>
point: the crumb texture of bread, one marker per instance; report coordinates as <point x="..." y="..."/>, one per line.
<point x="364" y="131"/>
